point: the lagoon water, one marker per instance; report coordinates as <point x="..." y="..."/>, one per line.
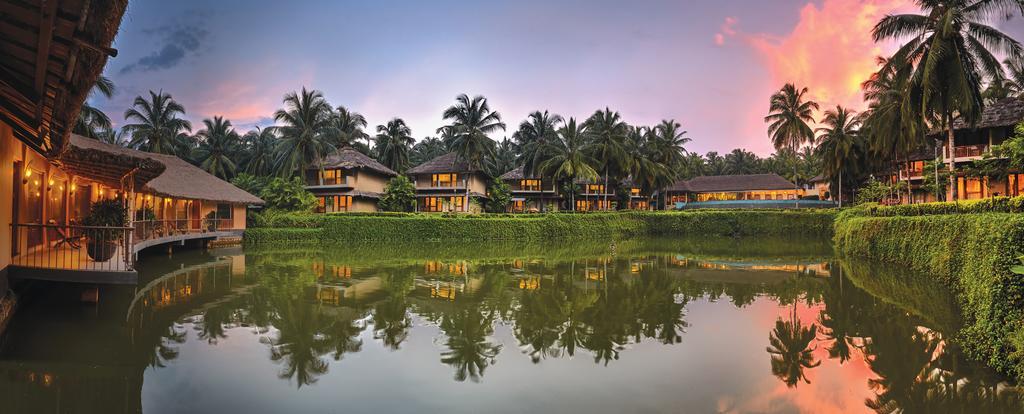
<point x="658" y="326"/>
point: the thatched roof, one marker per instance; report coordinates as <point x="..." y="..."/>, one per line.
<point x="722" y="183"/>
<point x="51" y="53"/>
<point x="516" y="174"/>
<point x="1007" y="112"/>
<point x="178" y="178"/>
<point x="447" y="163"/>
<point x="350" y="158"/>
<point x="107" y="163"/>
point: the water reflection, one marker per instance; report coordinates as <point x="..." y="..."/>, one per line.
<point x="308" y="312"/>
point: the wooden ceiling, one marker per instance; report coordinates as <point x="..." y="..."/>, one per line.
<point x="51" y="53"/>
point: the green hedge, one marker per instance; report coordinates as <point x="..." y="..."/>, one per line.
<point x="988" y="205"/>
<point x="971" y="253"/>
<point x="426" y="227"/>
<point x="256" y="236"/>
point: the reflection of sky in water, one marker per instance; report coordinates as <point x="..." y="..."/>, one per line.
<point x="309" y="306"/>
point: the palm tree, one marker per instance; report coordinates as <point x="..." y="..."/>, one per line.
<point x="740" y="161"/>
<point x="394" y="141"/>
<point x="471" y="121"/>
<point x="891" y="125"/>
<point x="306" y="131"/>
<point x="504" y="158"/>
<point x="427" y="149"/>
<point x="948" y="52"/>
<point x="157" y="126"/>
<point x="567" y="158"/>
<point x="669" y="142"/>
<point x="837" y="142"/>
<point x="91" y="121"/>
<point x="218" y="143"/>
<point x="788" y="117"/>
<point x="607" y="136"/>
<point x="350" y="125"/>
<point x="534" y="134"/>
<point x="259" y="160"/>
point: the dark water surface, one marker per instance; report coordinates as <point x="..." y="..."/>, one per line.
<point x="665" y="325"/>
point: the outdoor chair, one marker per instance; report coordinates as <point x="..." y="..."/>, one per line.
<point x="66" y="237"/>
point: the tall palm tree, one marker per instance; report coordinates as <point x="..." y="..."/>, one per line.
<point x="91" y="121"/>
<point x="837" y="143"/>
<point x="350" y="125"/>
<point x="607" y="136"/>
<point x="892" y="125"/>
<point x="567" y="158"/>
<point x="218" y="143"/>
<point x="471" y="120"/>
<point x="156" y="124"/>
<point x="789" y="116"/>
<point x="259" y="157"/>
<point x="949" y="49"/>
<point x="669" y="142"/>
<point x="504" y="158"/>
<point x="534" y="134"/>
<point x="306" y="130"/>
<point x="394" y="141"/>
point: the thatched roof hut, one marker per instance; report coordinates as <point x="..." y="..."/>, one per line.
<point x="159" y="174"/>
<point x="730" y="183"/>
<point x="51" y="53"/>
<point x="447" y="163"/>
<point x="350" y="158"/>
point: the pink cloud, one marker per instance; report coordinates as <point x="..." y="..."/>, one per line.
<point x="829" y="50"/>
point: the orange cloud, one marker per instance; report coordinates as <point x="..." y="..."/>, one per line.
<point x="830" y="50"/>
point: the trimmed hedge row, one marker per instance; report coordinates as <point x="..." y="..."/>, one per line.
<point x="988" y="205"/>
<point x="971" y="253"/>
<point x="426" y="227"/>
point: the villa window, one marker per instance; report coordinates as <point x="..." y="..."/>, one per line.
<point x="224" y="211"/>
<point x="634" y="192"/>
<point x="335" y="203"/>
<point x="444" y="180"/>
<point x="518" y="206"/>
<point x="530" y="185"/>
<point x="971" y="188"/>
<point x="595" y="189"/>
<point x="334" y="177"/>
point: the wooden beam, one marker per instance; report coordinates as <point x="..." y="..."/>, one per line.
<point x="48" y="14"/>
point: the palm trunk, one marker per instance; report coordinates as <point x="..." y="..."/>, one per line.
<point x="796" y="187"/>
<point x="910" y="191"/>
<point x="840" y="188"/>
<point x="952" y="156"/>
<point x="605" y="189"/>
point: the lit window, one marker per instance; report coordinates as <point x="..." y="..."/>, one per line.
<point x="443" y="180"/>
<point x="530" y="185"/>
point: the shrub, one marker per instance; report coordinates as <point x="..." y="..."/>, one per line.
<point x="288" y="195"/>
<point x="971" y="253"/>
<point x="250" y="183"/>
<point x="500" y="197"/>
<point x="399" y="195"/>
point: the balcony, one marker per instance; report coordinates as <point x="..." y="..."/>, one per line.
<point x="102" y="255"/>
<point x="85" y="254"/>
<point x="967" y="151"/>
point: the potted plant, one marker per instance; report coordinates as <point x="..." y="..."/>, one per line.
<point x="211" y="221"/>
<point x="101" y="244"/>
<point x="147" y="216"/>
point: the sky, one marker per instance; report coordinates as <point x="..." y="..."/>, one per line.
<point x="709" y="65"/>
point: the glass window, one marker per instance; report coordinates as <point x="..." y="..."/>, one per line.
<point x="530" y="185"/>
<point x="595" y="188"/>
<point x="334" y="177"/>
<point x="443" y="180"/>
<point x="635" y="192"/>
<point x="224" y="211"/>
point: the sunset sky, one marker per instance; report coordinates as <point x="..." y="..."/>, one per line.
<point x="710" y="65"/>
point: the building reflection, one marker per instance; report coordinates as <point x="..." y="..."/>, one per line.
<point x="313" y="310"/>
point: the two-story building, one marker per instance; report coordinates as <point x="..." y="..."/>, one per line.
<point x="971" y="143"/>
<point x="911" y="171"/>
<point x="594" y="195"/>
<point x="447" y="184"/>
<point x="348" y="180"/>
<point x="638" y="198"/>
<point x="531" y="194"/>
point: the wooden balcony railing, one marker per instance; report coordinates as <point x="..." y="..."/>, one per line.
<point x="968" y="151"/>
<point x="154" y="229"/>
<point x="72" y="247"/>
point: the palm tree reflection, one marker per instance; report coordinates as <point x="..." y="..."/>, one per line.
<point x="469" y="349"/>
<point x="790" y="348"/>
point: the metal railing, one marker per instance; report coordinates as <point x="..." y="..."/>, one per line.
<point x="73" y="247"/>
<point x="155" y="229"/>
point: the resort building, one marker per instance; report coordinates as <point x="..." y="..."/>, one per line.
<point x="447" y="184"/>
<point x="348" y="180"/>
<point x="725" y="191"/>
<point x="51" y="54"/>
<point x="638" y="199"/>
<point x="595" y="196"/>
<point x="531" y="194"/>
<point x="971" y="143"/>
<point x="911" y="172"/>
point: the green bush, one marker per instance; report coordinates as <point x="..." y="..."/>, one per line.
<point x="288" y="195"/>
<point x="419" y="226"/>
<point x="399" y="195"/>
<point x="988" y="205"/>
<point x="971" y="253"/>
<point x="259" y="236"/>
